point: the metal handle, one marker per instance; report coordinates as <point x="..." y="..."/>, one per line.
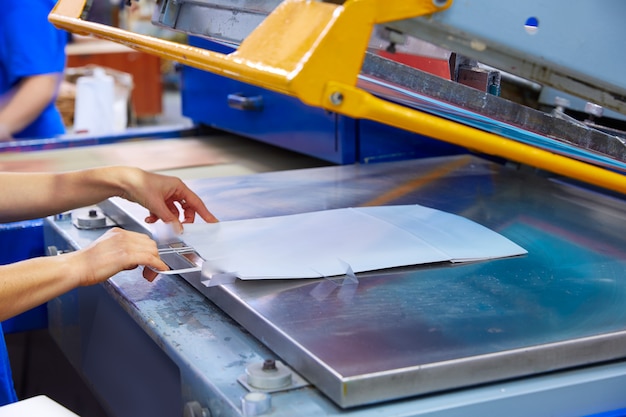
<point x="239" y="101"/>
<point x="178" y="271"/>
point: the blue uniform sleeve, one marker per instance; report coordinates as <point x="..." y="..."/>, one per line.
<point x="30" y="45"/>
<point x="33" y="45"/>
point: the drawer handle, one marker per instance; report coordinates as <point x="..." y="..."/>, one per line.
<point x="248" y="103"/>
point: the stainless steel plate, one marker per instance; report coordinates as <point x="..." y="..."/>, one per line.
<point x="413" y="331"/>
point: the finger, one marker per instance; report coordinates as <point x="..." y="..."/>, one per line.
<point x="189" y="214"/>
<point x="166" y="211"/>
<point x="177" y="227"/>
<point x="207" y="216"/>
<point x="143" y="250"/>
<point x="195" y="204"/>
<point x="174" y="212"/>
<point x="190" y="208"/>
<point x="155" y="264"/>
<point x="149" y="274"/>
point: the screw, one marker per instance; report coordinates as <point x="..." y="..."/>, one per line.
<point x="561" y="103"/>
<point x="593" y="109"/>
<point x="269" y="365"/>
<point x="336" y="98"/>
<point x="93" y="213"/>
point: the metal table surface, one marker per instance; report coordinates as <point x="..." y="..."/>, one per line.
<point x="407" y="331"/>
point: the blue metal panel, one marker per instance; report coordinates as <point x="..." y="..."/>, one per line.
<point x="73" y="141"/>
<point x="285" y="121"/>
<point x="378" y="142"/>
<point x="20" y="241"/>
<point x="270" y="117"/>
<point x="616" y="413"/>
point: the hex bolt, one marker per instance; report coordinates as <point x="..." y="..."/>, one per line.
<point x="336" y="98"/>
<point x="269" y="365"/>
<point x="268" y="375"/>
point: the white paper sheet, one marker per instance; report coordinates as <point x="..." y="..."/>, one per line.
<point x="327" y="243"/>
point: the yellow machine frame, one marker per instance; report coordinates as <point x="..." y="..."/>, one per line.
<point x="314" y="51"/>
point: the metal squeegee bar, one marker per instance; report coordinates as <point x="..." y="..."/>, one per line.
<point x="314" y="50"/>
<point x="176" y="250"/>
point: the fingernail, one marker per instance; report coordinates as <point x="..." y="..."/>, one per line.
<point x="177" y="228"/>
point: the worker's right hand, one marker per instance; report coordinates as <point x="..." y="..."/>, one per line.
<point x="115" y="251"/>
<point x="160" y="194"/>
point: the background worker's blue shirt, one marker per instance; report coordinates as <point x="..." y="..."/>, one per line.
<point x="30" y="45"/>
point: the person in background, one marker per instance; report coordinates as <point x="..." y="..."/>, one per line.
<point x="32" y="61"/>
<point x="27" y="284"/>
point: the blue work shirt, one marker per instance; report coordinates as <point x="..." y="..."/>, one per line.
<point x="31" y="45"/>
<point x="7" y="391"/>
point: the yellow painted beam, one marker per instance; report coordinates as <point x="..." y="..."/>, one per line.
<point x="358" y="103"/>
<point x="296" y="50"/>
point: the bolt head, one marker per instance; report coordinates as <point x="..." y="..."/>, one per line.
<point x="336" y="98"/>
<point x="594" y="109"/>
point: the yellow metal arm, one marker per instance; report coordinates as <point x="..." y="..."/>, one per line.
<point x="314" y="51"/>
<point x="296" y="50"/>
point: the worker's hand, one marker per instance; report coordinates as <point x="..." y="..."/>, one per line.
<point x="115" y="251"/>
<point x="161" y="194"/>
<point x="5" y="133"/>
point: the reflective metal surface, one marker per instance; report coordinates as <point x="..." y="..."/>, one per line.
<point x="411" y="331"/>
<point x="551" y="43"/>
<point x="228" y="21"/>
<point x="420" y="90"/>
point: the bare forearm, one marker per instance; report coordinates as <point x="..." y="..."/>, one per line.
<point x="35" y="195"/>
<point x="27" y="284"/>
<point x="29" y="195"/>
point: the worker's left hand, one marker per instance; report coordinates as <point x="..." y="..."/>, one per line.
<point x="115" y="251"/>
<point x="5" y="133"/>
<point x="160" y="194"/>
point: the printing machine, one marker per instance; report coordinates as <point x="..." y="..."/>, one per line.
<point x="542" y="334"/>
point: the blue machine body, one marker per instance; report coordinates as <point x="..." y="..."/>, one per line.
<point x="284" y="121"/>
<point x="20" y="241"/>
